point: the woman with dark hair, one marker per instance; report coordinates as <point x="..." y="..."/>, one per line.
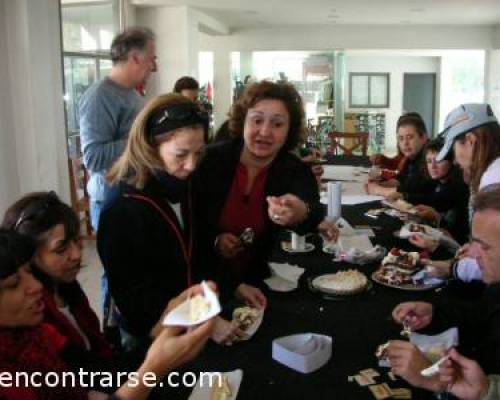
<point x="55" y="229"/>
<point x="446" y="205"/>
<point x="253" y="181"/>
<point x="29" y="345"/>
<point x="147" y="237"/>
<point x="472" y="132"/>
<point x="412" y="136"/>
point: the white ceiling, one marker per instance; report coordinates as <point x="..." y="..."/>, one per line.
<point x="265" y="13"/>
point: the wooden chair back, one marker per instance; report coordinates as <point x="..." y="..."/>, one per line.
<point x="80" y="200"/>
<point x="348" y="143"/>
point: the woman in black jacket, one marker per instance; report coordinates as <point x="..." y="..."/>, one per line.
<point x="253" y="181"/>
<point x="146" y="236"/>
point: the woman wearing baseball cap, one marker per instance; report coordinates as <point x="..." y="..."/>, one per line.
<point x="472" y="132"/>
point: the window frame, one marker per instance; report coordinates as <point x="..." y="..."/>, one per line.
<point x="369" y="76"/>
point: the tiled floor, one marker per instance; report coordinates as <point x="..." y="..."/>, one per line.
<point x="90" y="276"/>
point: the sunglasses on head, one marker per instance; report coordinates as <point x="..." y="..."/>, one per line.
<point x="37" y="209"/>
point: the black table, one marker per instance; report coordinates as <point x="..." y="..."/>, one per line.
<point x="357" y="325"/>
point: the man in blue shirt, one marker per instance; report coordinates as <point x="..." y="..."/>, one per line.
<point x="108" y="109"/>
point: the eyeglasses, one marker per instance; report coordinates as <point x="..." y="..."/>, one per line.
<point x="37" y="209"/>
<point x="181" y="112"/>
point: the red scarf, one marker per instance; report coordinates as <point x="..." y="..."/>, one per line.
<point x="84" y="315"/>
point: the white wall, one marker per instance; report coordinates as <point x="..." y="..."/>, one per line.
<point x="396" y="66"/>
<point x="32" y="132"/>
<point x="9" y="185"/>
<point x="337" y="37"/>
<point x="177" y="44"/>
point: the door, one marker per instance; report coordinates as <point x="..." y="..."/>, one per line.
<point x="419" y="94"/>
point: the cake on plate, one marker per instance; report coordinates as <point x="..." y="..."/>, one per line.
<point x="343" y="282"/>
<point x="403" y="261"/>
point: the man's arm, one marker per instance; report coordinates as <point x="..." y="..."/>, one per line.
<point x="98" y="131"/>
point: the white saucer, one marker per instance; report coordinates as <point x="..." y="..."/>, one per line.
<point x="285" y="246"/>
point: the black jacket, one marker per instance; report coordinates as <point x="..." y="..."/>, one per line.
<point x="413" y="180"/>
<point x="478" y="325"/>
<point x="287" y="174"/>
<point x="142" y="255"/>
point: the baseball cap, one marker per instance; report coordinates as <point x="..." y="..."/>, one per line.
<point x="463" y="119"/>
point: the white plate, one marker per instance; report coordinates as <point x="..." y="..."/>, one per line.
<point x="396" y="206"/>
<point x="205" y="392"/>
<point x="317" y="283"/>
<point x="279" y="284"/>
<point x="429" y="232"/>
<point x="179" y="316"/>
<point x="286" y="246"/>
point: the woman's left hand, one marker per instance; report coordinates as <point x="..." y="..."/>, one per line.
<point x="286" y="210"/>
<point x="251" y="295"/>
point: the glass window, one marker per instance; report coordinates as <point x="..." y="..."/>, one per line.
<point x="369" y="90"/>
<point x="79" y="74"/>
<point x="88" y="30"/>
<point x="88" y="27"/>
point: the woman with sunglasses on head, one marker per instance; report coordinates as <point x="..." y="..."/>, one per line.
<point x="30" y="345"/>
<point x="55" y="229"/>
<point x="147" y="237"/>
<point x="253" y="181"/>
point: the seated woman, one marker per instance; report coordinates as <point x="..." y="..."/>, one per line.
<point x="475" y="145"/>
<point x="55" y="229"/>
<point x="447" y="205"/>
<point x="28" y="345"/>
<point x="253" y="181"/>
<point x="147" y="238"/>
<point x="412" y="135"/>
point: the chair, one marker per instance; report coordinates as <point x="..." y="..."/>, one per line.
<point x="347" y="143"/>
<point x="80" y="201"/>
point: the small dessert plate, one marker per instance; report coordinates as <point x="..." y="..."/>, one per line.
<point x="434" y="368"/>
<point x="180" y="315"/>
<point x="203" y="390"/>
<point x="287" y="246"/>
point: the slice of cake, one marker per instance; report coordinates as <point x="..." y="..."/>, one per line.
<point x="198" y="307"/>
<point x="405" y="262"/>
<point x="244" y="317"/>
<point x="222" y="391"/>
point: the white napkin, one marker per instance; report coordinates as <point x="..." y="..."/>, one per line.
<point x="285" y="277"/>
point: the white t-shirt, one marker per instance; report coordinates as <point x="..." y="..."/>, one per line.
<point x="72" y="320"/>
<point x="467" y="269"/>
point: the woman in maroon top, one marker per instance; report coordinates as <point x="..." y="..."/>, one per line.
<point x="55" y="229"/>
<point x="32" y="347"/>
<point x="253" y="181"/>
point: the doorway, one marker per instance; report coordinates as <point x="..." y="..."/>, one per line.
<point x="419" y="94"/>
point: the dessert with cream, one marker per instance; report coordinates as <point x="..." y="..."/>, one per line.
<point x="198" y="307"/>
<point x="245" y="317"/>
<point x="344" y="282"/>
